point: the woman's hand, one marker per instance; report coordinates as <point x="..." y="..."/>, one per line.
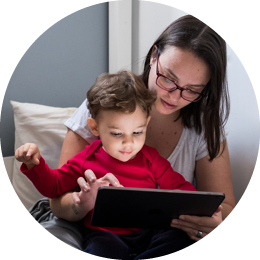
<point x="198" y="227"/>
<point x="84" y="200"/>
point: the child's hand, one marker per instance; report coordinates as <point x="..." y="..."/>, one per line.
<point x="29" y="154"/>
<point x="85" y="199"/>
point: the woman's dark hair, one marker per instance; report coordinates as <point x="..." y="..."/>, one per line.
<point x="211" y="112"/>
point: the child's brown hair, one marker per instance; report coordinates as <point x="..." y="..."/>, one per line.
<point x="119" y="92"/>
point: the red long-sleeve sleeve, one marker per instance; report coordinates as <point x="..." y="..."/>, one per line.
<point x="54" y="182"/>
<point x="164" y="175"/>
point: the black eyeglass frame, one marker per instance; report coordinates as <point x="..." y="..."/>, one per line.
<point x="177" y="87"/>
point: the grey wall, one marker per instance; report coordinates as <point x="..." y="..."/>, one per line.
<point x="59" y="67"/>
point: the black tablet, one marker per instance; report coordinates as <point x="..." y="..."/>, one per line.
<point x="150" y="208"/>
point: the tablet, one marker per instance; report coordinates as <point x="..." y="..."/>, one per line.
<point x="150" y="208"/>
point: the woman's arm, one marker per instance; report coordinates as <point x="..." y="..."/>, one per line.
<point x="72" y="145"/>
<point x="63" y="206"/>
<point x="212" y="176"/>
<point x="215" y="176"/>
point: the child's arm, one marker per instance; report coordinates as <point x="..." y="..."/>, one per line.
<point x="167" y="178"/>
<point x="29" y="154"/>
<point x="53" y="182"/>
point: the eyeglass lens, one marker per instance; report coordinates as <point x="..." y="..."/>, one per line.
<point x="170" y="86"/>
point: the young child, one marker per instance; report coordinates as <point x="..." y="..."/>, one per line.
<point x="120" y="107"/>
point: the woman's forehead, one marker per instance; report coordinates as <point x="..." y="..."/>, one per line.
<point x="184" y="65"/>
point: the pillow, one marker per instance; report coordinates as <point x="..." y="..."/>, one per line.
<point x="42" y="125"/>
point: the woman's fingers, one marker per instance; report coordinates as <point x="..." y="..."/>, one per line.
<point x="193" y="233"/>
<point x="218" y="212"/>
<point x="197" y="222"/>
<point x="198" y="227"/>
<point x="211" y="222"/>
<point x="192" y="227"/>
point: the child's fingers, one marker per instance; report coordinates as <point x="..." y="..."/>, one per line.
<point x="84" y="186"/>
<point x="31" y="153"/>
<point x="109" y="177"/>
<point x="35" y="160"/>
<point x="75" y="197"/>
<point x="20" y="153"/>
<point x="28" y="154"/>
<point x="90" y="176"/>
<point x="29" y="150"/>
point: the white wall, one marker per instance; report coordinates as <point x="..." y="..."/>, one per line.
<point x="148" y="21"/>
<point x="120" y="35"/>
<point x="243" y="124"/>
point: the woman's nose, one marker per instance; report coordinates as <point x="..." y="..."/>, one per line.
<point x="175" y="95"/>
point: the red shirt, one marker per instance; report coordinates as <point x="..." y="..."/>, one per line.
<point x="147" y="170"/>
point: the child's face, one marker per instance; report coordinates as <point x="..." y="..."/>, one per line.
<point x="122" y="135"/>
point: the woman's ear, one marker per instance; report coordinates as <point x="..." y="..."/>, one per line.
<point x="92" y="124"/>
<point x="153" y="55"/>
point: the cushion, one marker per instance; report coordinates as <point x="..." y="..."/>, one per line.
<point x="42" y="125"/>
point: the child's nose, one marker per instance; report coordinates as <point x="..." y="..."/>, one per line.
<point x="128" y="140"/>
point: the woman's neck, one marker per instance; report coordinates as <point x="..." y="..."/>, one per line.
<point x="162" y="119"/>
<point x="163" y="132"/>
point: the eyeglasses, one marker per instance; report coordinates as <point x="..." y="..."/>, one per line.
<point x="168" y="85"/>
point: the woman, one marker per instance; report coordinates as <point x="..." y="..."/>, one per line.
<point x="186" y="66"/>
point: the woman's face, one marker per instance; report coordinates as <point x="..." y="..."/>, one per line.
<point x="183" y="68"/>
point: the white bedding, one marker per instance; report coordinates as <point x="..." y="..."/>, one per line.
<point x="43" y="125"/>
<point x="9" y="163"/>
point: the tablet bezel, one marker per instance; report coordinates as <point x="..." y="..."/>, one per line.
<point x="150" y="208"/>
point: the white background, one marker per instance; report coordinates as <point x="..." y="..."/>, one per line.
<point x="22" y="22"/>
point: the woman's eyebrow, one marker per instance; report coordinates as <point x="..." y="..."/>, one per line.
<point x="170" y="72"/>
<point x="191" y="85"/>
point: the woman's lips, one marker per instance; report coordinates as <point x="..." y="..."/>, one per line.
<point x="167" y="105"/>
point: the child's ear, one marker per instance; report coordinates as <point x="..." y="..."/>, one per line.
<point x="92" y="124"/>
<point x="148" y="120"/>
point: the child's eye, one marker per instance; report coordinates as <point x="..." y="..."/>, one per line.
<point x="137" y="133"/>
<point x="116" y="134"/>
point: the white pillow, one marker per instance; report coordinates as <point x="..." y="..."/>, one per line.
<point x="42" y="125"/>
